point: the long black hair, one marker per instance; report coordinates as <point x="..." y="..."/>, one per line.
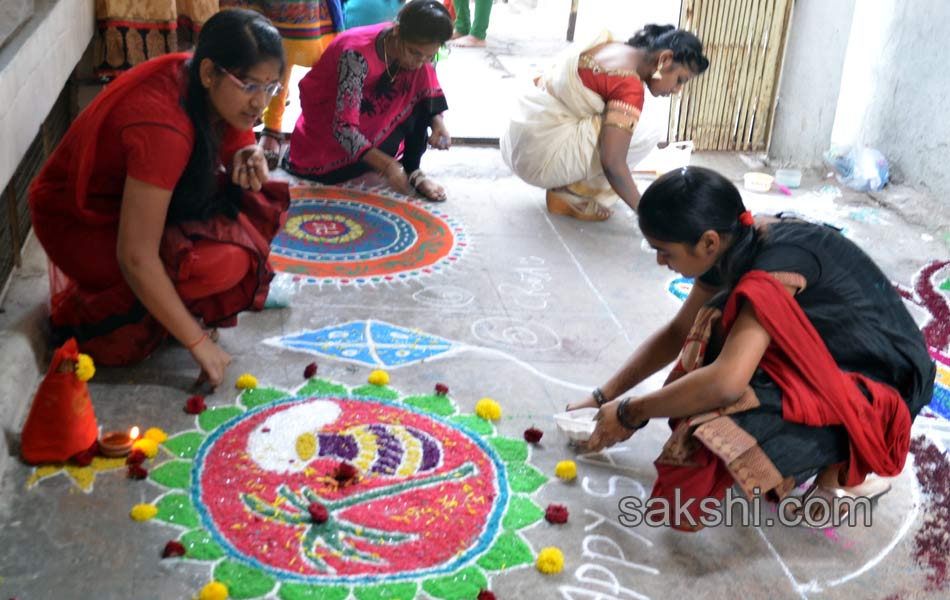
<point x="683" y="204"/>
<point x="424" y="22"/>
<point x="235" y="40"/>
<point x="686" y="47"/>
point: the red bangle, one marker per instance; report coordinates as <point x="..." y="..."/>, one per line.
<point x="195" y="343"/>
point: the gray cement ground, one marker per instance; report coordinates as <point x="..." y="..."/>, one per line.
<point x="544" y="306"/>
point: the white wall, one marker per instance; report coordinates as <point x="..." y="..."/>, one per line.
<point x="34" y="65"/>
<point x="895" y="88"/>
<point x="811" y="80"/>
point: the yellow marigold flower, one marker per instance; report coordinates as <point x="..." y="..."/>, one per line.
<point x="246" y="382"/>
<point x="85" y="368"/>
<point x="566" y="470"/>
<point x="143" y="512"/>
<point x="550" y="561"/>
<point x="214" y="591"/>
<point x="148" y="446"/>
<point x="156" y="435"/>
<point x="488" y="409"/>
<point x="379" y="377"/>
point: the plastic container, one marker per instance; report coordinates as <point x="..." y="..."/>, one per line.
<point x="578" y="425"/>
<point x="758" y="182"/>
<point x="791" y="178"/>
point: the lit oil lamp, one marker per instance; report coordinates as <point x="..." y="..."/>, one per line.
<point x="117" y="443"/>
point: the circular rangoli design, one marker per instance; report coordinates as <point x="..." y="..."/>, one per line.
<point x="437" y="505"/>
<point x="351" y="236"/>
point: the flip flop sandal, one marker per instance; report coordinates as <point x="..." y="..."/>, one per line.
<point x="565" y="203"/>
<point x="417" y="179"/>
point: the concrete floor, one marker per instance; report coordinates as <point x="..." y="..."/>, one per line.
<point x="537" y="308"/>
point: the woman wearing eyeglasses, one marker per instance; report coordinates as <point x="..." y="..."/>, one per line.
<point x="155" y="210"/>
<point x="374" y="93"/>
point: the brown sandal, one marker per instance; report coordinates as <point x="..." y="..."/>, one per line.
<point x="565" y="203"/>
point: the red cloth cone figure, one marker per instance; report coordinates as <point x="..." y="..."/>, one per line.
<point x="61" y="421"/>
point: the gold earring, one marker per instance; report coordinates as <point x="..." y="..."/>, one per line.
<point x="658" y="74"/>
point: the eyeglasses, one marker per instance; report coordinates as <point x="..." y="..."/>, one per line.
<point x="251" y="88"/>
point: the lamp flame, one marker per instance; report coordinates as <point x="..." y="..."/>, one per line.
<point x="134" y="433"/>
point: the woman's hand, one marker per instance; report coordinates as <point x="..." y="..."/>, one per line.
<point x="588" y="402"/>
<point x="213" y="362"/>
<point x="396" y="177"/>
<point x="440" y="137"/>
<point x="609" y="431"/>
<point x="250" y="170"/>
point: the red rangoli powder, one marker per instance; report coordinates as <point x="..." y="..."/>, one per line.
<point x="932" y="542"/>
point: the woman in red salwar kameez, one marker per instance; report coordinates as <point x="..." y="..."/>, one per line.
<point x="155" y="210"/>
<point x="798" y="356"/>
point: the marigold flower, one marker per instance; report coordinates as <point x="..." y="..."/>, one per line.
<point x="566" y="470"/>
<point x="550" y="561"/>
<point x="488" y="409"/>
<point x="85" y="368"/>
<point x="246" y="382"/>
<point x="378" y="377"/>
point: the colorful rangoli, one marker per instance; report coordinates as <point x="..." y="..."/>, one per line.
<point x="255" y="492"/>
<point x="337" y="235"/>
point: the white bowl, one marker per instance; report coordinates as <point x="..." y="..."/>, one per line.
<point x="757" y="182"/>
<point x="578" y="425"/>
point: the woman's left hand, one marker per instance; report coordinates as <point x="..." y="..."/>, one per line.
<point x="440" y="137"/>
<point x="609" y="431"/>
<point x="250" y="170"/>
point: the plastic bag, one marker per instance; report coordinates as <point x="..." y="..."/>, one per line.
<point x="858" y="167"/>
<point x="283" y="288"/>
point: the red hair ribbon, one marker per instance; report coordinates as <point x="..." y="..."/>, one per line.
<point x="745" y="219"/>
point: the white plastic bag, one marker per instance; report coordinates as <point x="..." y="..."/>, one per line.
<point x="858" y="167"/>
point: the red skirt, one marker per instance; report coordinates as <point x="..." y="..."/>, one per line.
<point x="219" y="268"/>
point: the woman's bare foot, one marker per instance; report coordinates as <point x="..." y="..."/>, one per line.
<point x="428" y="187"/>
<point x="467" y="41"/>
<point x="457" y="34"/>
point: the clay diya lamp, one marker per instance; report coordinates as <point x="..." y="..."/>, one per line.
<point x="115" y="444"/>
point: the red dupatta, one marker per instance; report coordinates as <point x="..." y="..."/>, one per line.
<point x="815" y="391"/>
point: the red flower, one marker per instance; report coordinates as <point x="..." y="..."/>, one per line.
<point x="310" y="371"/>
<point x="441" y="389"/>
<point x="556" y="513"/>
<point x="195" y="405"/>
<point x="136" y="457"/>
<point x="345" y="474"/>
<point x="173" y="548"/>
<point x="318" y="513"/>
<point x="485" y="595"/>
<point x="137" y="472"/>
<point x="84" y="458"/>
<point x="533" y="435"/>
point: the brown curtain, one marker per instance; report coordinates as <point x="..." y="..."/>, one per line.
<point x="131" y="31"/>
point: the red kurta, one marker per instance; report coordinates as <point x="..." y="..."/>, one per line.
<point x="137" y="128"/>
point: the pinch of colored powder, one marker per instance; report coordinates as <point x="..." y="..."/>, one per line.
<point x="378" y="377"/>
<point x="214" y="591"/>
<point x="246" y="382"/>
<point x="155" y="434"/>
<point x="488" y="409"/>
<point x="143" y="512"/>
<point x="146" y="446"/>
<point x="566" y="470"/>
<point x="550" y="561"/>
